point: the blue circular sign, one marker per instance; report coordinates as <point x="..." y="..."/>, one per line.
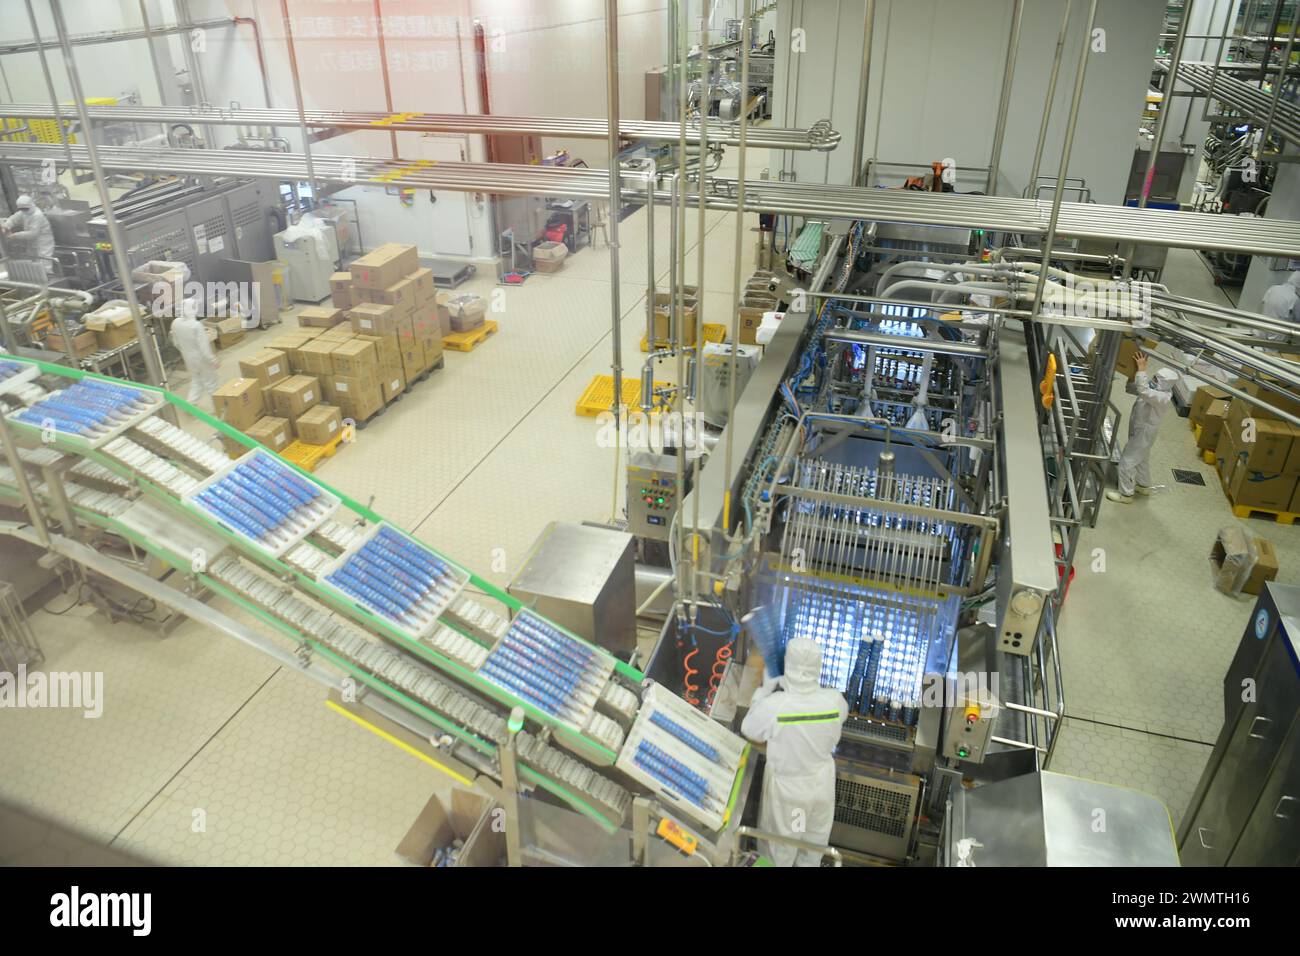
<point x="1261" y="623"/>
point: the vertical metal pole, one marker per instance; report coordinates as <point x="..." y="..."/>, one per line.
<point x="734" y="338"/>
<point x="383" y="70"/>
<point x="1050" y="101"/>
<point x="678" y="292"/>
<point x="7" y="336"/>
<point x="1064" y="169"/>
<point x="650" y="290"/>
<point x="1268" y="42"/>
<point x="148" y="347"/>
<point x="1280" y="83"/>
<point x="1218" y="58"/>
<point x="153" y="53"/>
<point x="34" y="513"/>
<point x="706" y="97"/>
<point x="615" y="206"/>
<point x="1004" y="103"/>
<point x="297" y="96"/>
<point x="509" y="755"/>
<point x="1166" y="107"/>
<point x="864" y="83"/>
<point x="54" y="96"/>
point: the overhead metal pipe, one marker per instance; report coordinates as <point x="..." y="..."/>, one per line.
<point x="1279" y="84"/>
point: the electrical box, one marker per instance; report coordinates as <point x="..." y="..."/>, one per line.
<point x="651" y="494"/>
<point x="969" y="727"/>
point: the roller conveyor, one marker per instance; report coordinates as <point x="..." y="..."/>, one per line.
<point x="144" y="484"/>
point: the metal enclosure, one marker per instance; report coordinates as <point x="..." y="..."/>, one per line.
<point x="584" y="578"/>
<point x="1246" y="808"/>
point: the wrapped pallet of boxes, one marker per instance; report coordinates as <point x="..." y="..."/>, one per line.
<point x="467" y="312"/>
<point x="549" y="256"/>
<point x="319" y="425"/>
<point x="1242" y="562"/>
<point x="112" y="325"/>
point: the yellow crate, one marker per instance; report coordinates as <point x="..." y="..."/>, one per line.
<point x="308" y="457"/>
<point x="599" y="395"/>
<point x="467" y="341"/>
<point x="714" y="332"/>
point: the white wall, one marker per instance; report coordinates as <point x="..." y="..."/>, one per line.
<point x="936" y="77"/>
<point x="1283" y="204"/>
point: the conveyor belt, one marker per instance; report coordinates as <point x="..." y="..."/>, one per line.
<point x="145" y="483"/>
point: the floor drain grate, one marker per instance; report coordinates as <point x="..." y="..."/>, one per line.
<point x="1189" y="477"/>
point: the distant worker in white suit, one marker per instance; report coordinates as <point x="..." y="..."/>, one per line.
<point x="801" y="723"/>
<point x="1280" y="303"/>
<point x="191" y="339"/>
<point x="29" y="225"/>
<point x="1154" y="399"/>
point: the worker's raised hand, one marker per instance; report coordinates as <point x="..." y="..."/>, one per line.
<point x="1140" y="360"/>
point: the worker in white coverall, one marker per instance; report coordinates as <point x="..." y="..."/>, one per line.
<point x="1154" y="398"/>
<point x="1280" y="303"/>
<point x="191" y="339"/>
<point x="801" y="722"/>
<point x="29" y="225"/>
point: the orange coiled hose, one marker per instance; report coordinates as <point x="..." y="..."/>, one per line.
<point x="691" y="690"/>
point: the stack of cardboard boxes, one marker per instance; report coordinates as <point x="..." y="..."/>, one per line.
<point x="1257" y="454"/>
<point x="345" y="361"/>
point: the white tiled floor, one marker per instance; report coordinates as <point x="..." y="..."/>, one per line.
<point x="477" y="460"/>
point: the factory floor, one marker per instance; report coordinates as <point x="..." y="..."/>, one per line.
<point x="209" y="753"/>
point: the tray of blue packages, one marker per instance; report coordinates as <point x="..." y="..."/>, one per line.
<point x="263" y="501"/>
<point x="396" y="578"/>
<point x="546" y="666"/>
<point x="14" y="374"/>
<point x="89" y="412"/>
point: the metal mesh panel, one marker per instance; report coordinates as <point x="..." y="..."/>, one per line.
<point x="249" y="214"/>
<point x="869" y="807"/>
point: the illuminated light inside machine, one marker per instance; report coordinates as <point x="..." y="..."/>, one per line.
<point x="874" y="653"/>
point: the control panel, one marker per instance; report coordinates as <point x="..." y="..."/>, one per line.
<point x="969" y="727"/>
<point x="651" y="494"/>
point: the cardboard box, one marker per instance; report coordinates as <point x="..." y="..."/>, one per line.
<point x="1201" y="400"/>
<point x="320" y="316"/>
<point x="339" y="333"/>
<point x="229" y="331"/>
<point x="1213" y="418"/>
<point x="1247" y="488"/>
<point x="751" y="317"/>
<point x="232" y="448"/>
<point x="400" y="295"/>
<point x="467" y="312"/>
<point x="440" y="300"/>
<point x="357" y="399"/>
<point x="432" y="351"/>
<point x="1232" y="556"/>
<point x="356" y="358"/>
<point x="112" y="325"/>
<point x="1286" y="403"/>
<point x="393" y="384"/>
<point x="1273" y="438"/>
<point x="290" y="343"/>
<point x="1125" y="363"/>
<point x="318" y="425"/>
<point x="1265" y="569"/>
<point x="341" y="290"/>
<point x="83" y="343"/>
<point x="468" y="822"/>
<point x="268" y="366"/>
<point x="1295" y="501"/>
<point x="239" y="402"/>
<point x="383" y="266"/>
<point x="293" y="396"/>
<point x="370" y="318"/>
<point x="273" y="432"/>
<point x="317" y="357"/>
<point x="663" y="315"/>
<point x="549" y="256"/>
<point x="424" y="285"/>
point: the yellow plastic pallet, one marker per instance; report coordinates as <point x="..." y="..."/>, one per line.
<point x="1281" y="517"/>
<point x="713" y="332"/>
<point x="598" y="396"/>
<point x="468" y="341"/>
<point x="310" y="456"/>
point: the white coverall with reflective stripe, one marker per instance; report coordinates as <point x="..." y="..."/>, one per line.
<point x="801" y="729"/>
<point x="1148" y="411"/>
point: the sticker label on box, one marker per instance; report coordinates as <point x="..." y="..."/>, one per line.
<point x="273" y="369"/>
